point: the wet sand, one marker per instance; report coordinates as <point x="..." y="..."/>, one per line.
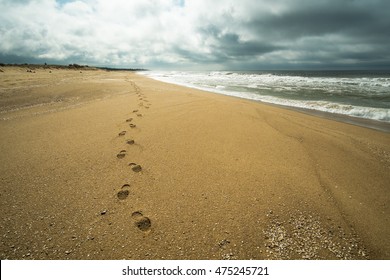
<point x="113" y="165"/>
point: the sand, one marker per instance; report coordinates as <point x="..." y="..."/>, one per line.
<point x="113" y="165"/>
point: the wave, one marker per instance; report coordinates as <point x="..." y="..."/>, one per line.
<point x="363" y="95"/>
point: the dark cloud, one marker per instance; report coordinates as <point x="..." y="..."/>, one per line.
<point x="334" y="31"/>
<point x="229" y="46"/>
<point x="209" y="34"/>
<point x="316" y="21"/>
<point x="341" y="17"/>
<point x="233" y="47"/>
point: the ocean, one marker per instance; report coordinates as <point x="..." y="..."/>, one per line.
<point x="361" y="94"/>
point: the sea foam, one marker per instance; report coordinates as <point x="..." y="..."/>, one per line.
<point x="360" y="94"/>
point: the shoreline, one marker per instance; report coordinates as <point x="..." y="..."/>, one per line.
<point x="142" y="169"/>
<point x="363" y="122"/>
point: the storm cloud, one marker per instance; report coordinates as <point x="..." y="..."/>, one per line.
<point x="174" y="34"/>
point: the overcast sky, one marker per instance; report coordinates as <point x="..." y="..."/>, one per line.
<point x="198" y="34"/>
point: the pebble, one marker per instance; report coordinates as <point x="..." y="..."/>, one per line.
<point x="303" y="234"/>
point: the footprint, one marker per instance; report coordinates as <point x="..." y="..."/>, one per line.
<point x="135" y="111"/>
<point x="142" y="222"/>
<point x="129" y="120"/>
<point x="139" y="115"/>
<point x="130" y="142"/>
<point x="123" y="193"/>
<point x="121" y="154"/>
<point x="135" y="167"/>
<point x="137" y="215"/>
<point x="122" y="133"/>
<point x="132" y="125"/>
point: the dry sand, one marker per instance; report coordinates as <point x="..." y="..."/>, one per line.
<point x="205" y="177"/>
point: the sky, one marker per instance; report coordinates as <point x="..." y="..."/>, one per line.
<point x="198" y="34"/>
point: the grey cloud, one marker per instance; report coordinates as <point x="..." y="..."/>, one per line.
<point x="329" y="17"/>
<point x="233" y="47"/>
<point x="311" y="22"/>
<point x="221" y="34"/>
<point x="354" y="23"/>
<point x="229" y="46"/>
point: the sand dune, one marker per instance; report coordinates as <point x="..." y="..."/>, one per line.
<point x="113" y="165"/>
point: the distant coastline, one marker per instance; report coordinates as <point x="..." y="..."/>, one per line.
<point x="69" y="66"/>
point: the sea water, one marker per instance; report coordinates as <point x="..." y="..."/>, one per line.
<point x="362" y="94"/>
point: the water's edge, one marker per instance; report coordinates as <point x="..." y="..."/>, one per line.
<point x="361" y="122"/>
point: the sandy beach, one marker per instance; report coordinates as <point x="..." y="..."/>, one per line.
<point x="114" y="165"/>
